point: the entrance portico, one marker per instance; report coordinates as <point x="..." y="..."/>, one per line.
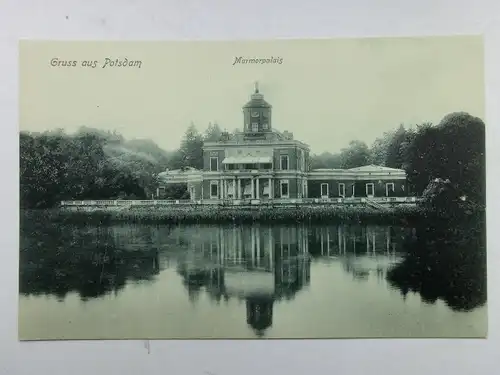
<point x="246" y="187"/>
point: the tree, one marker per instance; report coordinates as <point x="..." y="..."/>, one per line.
<point x="378" y="150"/>
<point x="394" y="156"/>
<point x="191" y="149"/>
<point x="55" y="166"/>
<point x="440" y="196"/>
<point x="464" y="158"/>
<point x="326" y="160"/>
<point x="212" y="133"/>
<point x="453" y="150"/>
<point x="356" y="154"/>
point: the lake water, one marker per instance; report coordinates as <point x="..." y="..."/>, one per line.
<point x="299" y="281"/>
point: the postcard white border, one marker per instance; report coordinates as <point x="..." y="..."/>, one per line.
<point x="256" y="19"/>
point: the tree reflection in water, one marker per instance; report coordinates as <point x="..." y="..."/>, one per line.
<point x="59" y="259"/>
<point x="445" y="260"/>
<point x="439" y="259"/>
<point x="362" y="250"/>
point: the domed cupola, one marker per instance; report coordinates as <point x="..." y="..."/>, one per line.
<point x="257" y="113"/>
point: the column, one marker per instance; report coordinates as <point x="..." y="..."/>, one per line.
<point x="253" y="190"/>
<point x="252" y="234"/>
<point x="217" y="242"/>
<point x="257" y="181"/>
<point x="281" y="241"/>
<point x="223" y="243"/>
<point x="373" y="242"/>
<point x="239" y="188"/>
<point x="234" y="188"/>
<point x="271" y="247"/>
<point x="367" y="242"/>
<point x="328" y="241"/>
<point x="240" y="245"/>
<point x="388" y="239"/>
<point x="339" y="239"/>
<point x="257" y="235"/>
<point x="270" y="190"/>
<point x="322" y="241"/>
<point x="235" y="244"/>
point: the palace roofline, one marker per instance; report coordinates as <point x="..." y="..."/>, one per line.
<point x="241" y="138"/>
<point x="370" y="170"/>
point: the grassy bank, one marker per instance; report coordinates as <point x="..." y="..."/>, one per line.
<point x="207" y="214"/>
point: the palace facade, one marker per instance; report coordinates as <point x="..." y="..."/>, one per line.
<point x="261" y="163"/>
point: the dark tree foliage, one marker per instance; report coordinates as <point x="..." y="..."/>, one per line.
<point x="394" y="157"/>
<point x="212" y="133"/>
<point x="87" y="165"/>
<point x="379" y="149"/>
<point x="176" y="191"/>
<point x="356" y="154"/>
<point x="445" y="261"/>
<point x="325" y="160"/>
<point x="191" y="150"/>
<point x="452" y="150"/>
<point x="442" y="197"/>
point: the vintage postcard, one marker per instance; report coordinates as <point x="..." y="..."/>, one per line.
<point x="330" y="188"/>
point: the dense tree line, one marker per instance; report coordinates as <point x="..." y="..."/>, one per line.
<point x="93" y="164"/>
<point x="452" y="150"/>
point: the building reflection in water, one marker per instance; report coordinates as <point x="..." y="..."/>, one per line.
<point x="363" y="250"/>
<point x="257" y="264"/>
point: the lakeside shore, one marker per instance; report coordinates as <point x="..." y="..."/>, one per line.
<point x="219" y="215"/>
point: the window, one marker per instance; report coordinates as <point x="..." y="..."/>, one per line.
<point x="284" y="188"/>
<point x="389" y="189"/>
<point x="214" y="164"/>
<point x="370" y="189"/>
<point x="284" y="162"/>
<point x="214" y="189"/>
<point x="266" y="166"/>
<point x="324" y="190"/>
<point x="265" y="126"/>
<point x="342" y="190"/>
<point x="255" y="126"/>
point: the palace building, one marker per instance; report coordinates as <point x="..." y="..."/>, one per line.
<point x="260" y="164"/>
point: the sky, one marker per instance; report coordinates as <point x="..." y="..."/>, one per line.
<point x="327" y="92"/>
